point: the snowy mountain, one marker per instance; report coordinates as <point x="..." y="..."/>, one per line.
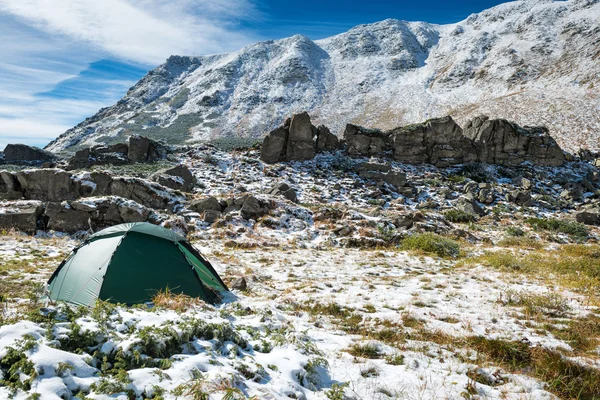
<point x="534" y="61"/>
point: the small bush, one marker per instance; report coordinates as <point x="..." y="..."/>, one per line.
<point x="431" y="243"/>
<point x="515" y="231"/>
<point x="368" y="350"/>
<point x="574" y="229"/>
<point x="459" y="216"/>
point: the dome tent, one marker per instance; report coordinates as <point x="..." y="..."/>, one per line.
<point x="130" y="263"/>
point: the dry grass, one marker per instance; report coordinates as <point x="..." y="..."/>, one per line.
<point x="175" y="301"/>
<point x="574" y="266"/>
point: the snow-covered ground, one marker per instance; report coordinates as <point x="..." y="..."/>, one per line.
<point x="272" y="341"/>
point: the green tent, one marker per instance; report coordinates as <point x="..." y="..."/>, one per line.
<point x="130" y="263"/>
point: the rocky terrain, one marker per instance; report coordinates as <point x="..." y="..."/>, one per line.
<point x="535" y="62"/>
<point x="426" y="261"/>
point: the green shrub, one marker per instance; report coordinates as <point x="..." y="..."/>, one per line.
<point x="431" y="243"/>
<point x="515" y="231"/>
<point x="574" y="229"/>
<point x="459" y="216"/>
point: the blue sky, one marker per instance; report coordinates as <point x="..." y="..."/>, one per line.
<point x="61" y="61"/>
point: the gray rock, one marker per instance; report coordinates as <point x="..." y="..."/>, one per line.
<point x="177" y="178"/>
<point x="252" y="208"/>
<point x="47" y="185"/>
<point x="142" y="149"/>
<point x="274" y="146"/>
<point x="149" y="194"/>
<point x="396" y="179"/>
<point x="211" y="216"/>
<point x="439" y="141"/>
<point x="122" y="148"/>
<point x="239" y="284"/>
<point x="81" y="159"/>
<point x="300" y="142"/>
<point x="20" y="215"/>
<point x="362" y="141"/>
<point x="10" y="189"/>
<point x="93" y="213"/>
<point x="589" y="217"/>
<point x="470" y="187"/>
<point x="207" y="203"/>
<point x="501" y="142"/>
<point x="470" y="206"/>
<point x="23" y="152"/>
<point x="283" y="189"/>
<point x="64" y="218"/>
<point x="326" y="141"/>
<point x="367" y="166"/>
<point x="101" y="184"/>
<point x="520" y="198"/>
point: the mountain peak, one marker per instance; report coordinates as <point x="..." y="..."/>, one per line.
<point x="534" y="62"/>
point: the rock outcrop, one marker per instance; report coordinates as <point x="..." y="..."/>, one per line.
<point x="442" y="142"/>
<point x="93" y="213"/>
<point x="115" y="154"/>
<point x="22" y="153"/>
<point x="56" y="185"/>
<point x="499" y="141"/>
<point x="297" y="140"/>
<point x="47" y="185"/>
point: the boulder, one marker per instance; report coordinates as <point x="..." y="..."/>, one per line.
<point x="47" y="185"/>
<point x="93" y="213"/>
<point x="470" y="206"/>
<point x="396" y="179"/>
<point x="253" y="208"/>
<point x="148" y="194"/>
<point x="142" y="149"/>
<point x="64" y="218"/>
<point x="239" y="284"/>
<point x="25" y="153"/>
<point x="367" y="166"/>
<point x="283" y="189"/>
<point x="520" y="198"/>
<point x="362" y="141"/>
<point x="81" y="159"/>
<point x="589" y="216"/>
<point x="438" y="141"/>
<point x="20" y="215"/>
<point x="207" y="203"/>
<point x="501" y="142"/>
<point x="178" y="177"/>
<point x="121" y="148"/>
<point x="274" y="146"/>
<point x="211" y="216"/>
<point x="300" y="143"/>
<point x="326" y="141"/>
<point x="10" y="189"/>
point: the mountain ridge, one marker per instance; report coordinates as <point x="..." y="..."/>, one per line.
<point x="535" y="62"/>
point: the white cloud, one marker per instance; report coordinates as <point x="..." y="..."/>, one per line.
<point x="146" y="31"/>
<point x="45" y="42"/>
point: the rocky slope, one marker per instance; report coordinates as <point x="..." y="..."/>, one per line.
<point x="351" y="278"/>
<point x="534" y="62"/>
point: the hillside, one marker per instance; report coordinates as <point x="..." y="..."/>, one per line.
<point x="535" y="62"/>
